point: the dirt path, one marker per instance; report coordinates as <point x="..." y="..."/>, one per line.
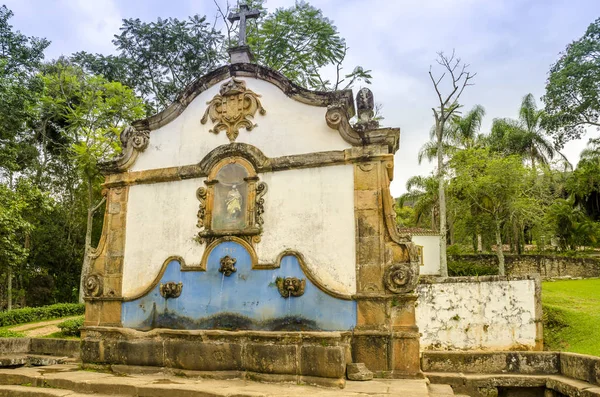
<point x="42" y="328"/>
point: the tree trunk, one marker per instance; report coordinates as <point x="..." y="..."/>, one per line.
<point x="442" y="199"/>
<point x="9" y="289"/>
<point x="85" y="268"/>
<point x="499" y="252"/>
<point x="479" y="243"/>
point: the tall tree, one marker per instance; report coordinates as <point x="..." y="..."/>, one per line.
<point x="95" y="111"/>
<point x="459" y="78"/>
<point x="525" y="136"/>
<point x="572" y="92"/>
<point x="422" y="195"/>
<point x="20" y="57"/>
<point x="498" y="186"/>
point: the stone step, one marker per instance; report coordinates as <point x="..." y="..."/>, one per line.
<point x="440" y="390"/>
<point x="65" y="379"/>
<point x="29" y="391"/>
<point x="19" y="360"/>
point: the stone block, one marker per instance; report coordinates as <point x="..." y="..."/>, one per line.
<point x="203" y="356"/>
<point x="358" y="371"/>
<point x="90" y="351"/>
<point x="270" y="359"/>
<point x="111" y="310"/>
<point x="366" y="199"/>
<point x="369" y="250"/>
<point x="403" y="312"/>
<point x="366" y="176"/>
<point x="145" y="352"/>
<point x="580" y="366"/>
<point x="55" y="347"/>
<point x="372" y="350"/>
<point x="14" y="345"/>
<point x="406" y="357"/>
<point x="369" y="277"/>
<point x="369" y="223"/>
<point x="371" y="312"/>
<point x="323" y="361"/>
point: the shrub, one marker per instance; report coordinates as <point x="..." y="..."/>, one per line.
<point x="466" y="268"/>
<point x="71" y="327"/>
<point x="31" y="314"/>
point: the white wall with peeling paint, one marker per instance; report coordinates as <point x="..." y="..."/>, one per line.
<point x="478" y="315"/>
<point x="289" y="127"/>
<point x="313" y="215"/>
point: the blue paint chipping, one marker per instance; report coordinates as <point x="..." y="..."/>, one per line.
<point x="248" y="299"/>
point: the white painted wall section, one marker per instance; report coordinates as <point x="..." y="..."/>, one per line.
<point x="289" y="127"/>
<point x="431" y="254"/>
<point x="479" y="315"/>
<point x="314" y="216"/>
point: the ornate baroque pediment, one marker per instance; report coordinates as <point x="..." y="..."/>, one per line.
<point x="233" y="108"/>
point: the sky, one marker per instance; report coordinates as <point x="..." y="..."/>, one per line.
<point x="510" y="44"/>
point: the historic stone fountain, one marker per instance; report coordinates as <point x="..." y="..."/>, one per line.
<point x="249" y="228"/>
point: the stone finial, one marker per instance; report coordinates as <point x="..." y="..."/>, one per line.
<point x="365" y="105"/>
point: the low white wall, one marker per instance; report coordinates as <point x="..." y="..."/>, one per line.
<point x="486" y="313"/>
<point x="431" y="254"/>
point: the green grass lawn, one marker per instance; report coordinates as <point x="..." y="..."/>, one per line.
<point x="572" y="315"/>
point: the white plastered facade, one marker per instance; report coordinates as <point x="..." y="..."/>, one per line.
<point x="309" y="210"/>
<point x="430" y="253"/>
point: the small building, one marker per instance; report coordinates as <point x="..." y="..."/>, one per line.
<point x="428" y="246"/>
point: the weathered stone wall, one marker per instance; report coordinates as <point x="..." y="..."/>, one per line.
<point x="480" y="313"/>
<point x="548" y="266"/>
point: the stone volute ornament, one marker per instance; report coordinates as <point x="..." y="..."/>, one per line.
<point x="290" y="286"/>
<point x="401" y="278"/>
<point x="93" y="285"/>
<point x="233" y="108"/>
<point x="170" y="290"/>
<point x="133" y="142"/>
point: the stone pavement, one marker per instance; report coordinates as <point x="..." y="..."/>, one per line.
<point x="69" y="381"/>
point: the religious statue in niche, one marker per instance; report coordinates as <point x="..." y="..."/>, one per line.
<point x="232" y="202"/>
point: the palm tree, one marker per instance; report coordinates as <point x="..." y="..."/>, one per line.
<point x="461" y="133"/>
<point x="423" y="194"/>
<point x="525" y="136"/>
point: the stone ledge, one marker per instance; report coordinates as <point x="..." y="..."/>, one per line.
<point x="480" y="385"/>
<point x="475" y="279"/>
<point x="300" y="357"/>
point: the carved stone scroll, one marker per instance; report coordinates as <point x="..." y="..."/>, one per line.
<point x="201" y="196"/>
<point x="261" y="189"/>
<point x="93" y="285"/>
<point x="401" y="278"/>
<point x="233" y="109"/>
<point x="133" y="142"/>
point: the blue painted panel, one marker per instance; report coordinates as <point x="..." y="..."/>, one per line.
<point x="248" y="299"/>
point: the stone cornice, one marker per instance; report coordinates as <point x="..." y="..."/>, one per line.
<point x="261" y="163"/>
<point x="315" y="98"/>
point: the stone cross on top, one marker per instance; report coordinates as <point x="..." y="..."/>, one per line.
<point x="244" y="14"/>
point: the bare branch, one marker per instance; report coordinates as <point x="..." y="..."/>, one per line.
<point x="98" y="205"/>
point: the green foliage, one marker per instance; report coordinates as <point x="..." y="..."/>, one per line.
<point x="299" y="41"/>
<point x="159" y="59"/>
<point x="572" y="91"/>
<point x="422" y="196"/>
<point x="524" y="137"/>
<point x="6" y="333"/>
<point x="31" y="314"/>
<point x="71" y="327"/>
<point x="572" y="227"/>
<point x="20" y="56"/>
<point x="470" y="269"/>
<point x="571" y="314"/>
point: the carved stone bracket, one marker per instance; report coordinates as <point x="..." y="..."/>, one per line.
<point x="201" y="196"/>
<point x="401" y="278"/>
<point x="171" y="289"/>
<point x="290" y="286"/>
<point x="261" y="189"/>
<point x="133" y="142"/>
<point x="233" y="109"/>
<point x="227" y="265"/>
<point x="93" y="286"/>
